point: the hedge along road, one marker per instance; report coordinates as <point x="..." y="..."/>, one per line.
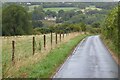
<point x="90" y="59"/>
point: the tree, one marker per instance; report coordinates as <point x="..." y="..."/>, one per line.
<point x="96" y="25"/>
<point x="78" y="12"/>
<point x="60" y="13"/>
<point x="83" y="27"/>
<point x="50" y="13"/>
<point x="59" y="20"/>
<point x="15" y="21"/>
<point x="68" y="14"/>
<point x="38" y="13"/>
<point x="60" y="16"/>
<point x="77" y="19"/>
<point x="37" y="24"/>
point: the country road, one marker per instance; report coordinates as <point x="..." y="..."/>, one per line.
<point x="90" y="59"/>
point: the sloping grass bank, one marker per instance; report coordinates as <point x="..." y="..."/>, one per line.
<point x="112" y="48"/>
<point x="47" y="67"/>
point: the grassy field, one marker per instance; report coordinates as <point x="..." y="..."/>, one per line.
<point x="31" y="8"/>
<point x="46" y="67"/>
<point x="23" y="50"/>
<point x="92" y="8"/>
<point x="61" y="8"/>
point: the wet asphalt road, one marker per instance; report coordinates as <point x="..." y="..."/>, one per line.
<point x="90" y="59"/>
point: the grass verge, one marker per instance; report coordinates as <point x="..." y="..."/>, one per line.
<point x="112" y="49"/>
<point x="46" y="67"/>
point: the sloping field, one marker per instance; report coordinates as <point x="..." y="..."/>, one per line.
<point x="61" y="8"/>
<point x="56" y="9"/>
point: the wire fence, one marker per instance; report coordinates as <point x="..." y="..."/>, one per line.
<point x="20" y="48"/>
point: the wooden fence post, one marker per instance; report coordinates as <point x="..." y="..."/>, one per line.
<point x="33" y="45"/>
<point x="44" y="41"/>
<point x="60" y="37"/>
<point x="56" y="38"/>
<point x="63" y="35"/>
<point x="51" y="40"/>
<point x="40" y="46"/>
<point x="13" y="52"/>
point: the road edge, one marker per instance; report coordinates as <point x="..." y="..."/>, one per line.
<point x="72" y="53"/>
<point x="115" y="57"/>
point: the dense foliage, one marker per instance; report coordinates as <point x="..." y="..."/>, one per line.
<point x="15" y="21"/>
<point x="62" y="28"/>
<point x="50" y="13"/>
<point x="20" y="20"/>
<point x="110" y="28"/>
<point x="52" y="4"/>
<point x="0" y="19"/>
<point x="119" y="28"/>
<point x="38" y="13"/>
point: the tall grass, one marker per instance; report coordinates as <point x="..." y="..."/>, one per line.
<point x="46" y="67"/>
<point x="23" y="50"/>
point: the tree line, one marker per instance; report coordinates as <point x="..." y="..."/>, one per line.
<point x="63" y="28"/>
<point x="81" y="5"/>
<point x="72" y="16"/>
<point x="110" y="29"/>
<point x="17" y="21"/>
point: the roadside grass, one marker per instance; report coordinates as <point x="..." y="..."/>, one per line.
<point x="112" y="48"/>
<point x="49" y="64"/>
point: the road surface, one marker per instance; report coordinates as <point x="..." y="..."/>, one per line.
<point x="90" y="59"/>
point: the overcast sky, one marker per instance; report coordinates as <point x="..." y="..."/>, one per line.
<point x="59" y="0"/>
